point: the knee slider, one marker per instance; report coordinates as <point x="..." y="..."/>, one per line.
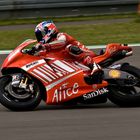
<point x="75" y="50"/>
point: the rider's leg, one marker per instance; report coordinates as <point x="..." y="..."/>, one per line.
<point x="96" y="74"/>
<point x="96" y="71"/>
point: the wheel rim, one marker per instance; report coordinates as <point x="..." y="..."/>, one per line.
<point x="130" y="91"/>
<point x="19" y="95"/>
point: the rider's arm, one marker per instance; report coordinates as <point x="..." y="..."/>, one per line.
<point x="60" y="42"/>
<point x="57" y="44"/>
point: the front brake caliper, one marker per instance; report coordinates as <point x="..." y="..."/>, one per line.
<point x="22" y="81"/>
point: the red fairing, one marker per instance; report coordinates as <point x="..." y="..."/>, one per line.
<point x="111" y="49"/>
<point x="62" y="78"/>
<point x="16" y="58"/>
<point x="60" y="73"/>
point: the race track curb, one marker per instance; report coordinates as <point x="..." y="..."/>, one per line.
<point x="90" y="47"/>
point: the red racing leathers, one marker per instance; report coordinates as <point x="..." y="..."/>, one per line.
<point x="63" y="41"/>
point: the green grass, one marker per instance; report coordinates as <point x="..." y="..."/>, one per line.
<point x="87" y="34"/>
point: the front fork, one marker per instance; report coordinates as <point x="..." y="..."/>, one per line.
<point x="22" y="81"/>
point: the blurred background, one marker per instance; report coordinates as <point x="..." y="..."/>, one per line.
<point x="93" y="22"/>
<point x="58" y="8"/>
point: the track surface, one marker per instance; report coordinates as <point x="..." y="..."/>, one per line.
<point x="83" y="122"/>
<point x="73" y="23"/>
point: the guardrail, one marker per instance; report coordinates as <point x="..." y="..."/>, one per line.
<point x="43" y="8"/>
<point x="33" y="4"/>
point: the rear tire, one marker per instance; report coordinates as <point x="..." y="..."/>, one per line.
<point x="126" y="96"/>
<point x="30" y="101"/>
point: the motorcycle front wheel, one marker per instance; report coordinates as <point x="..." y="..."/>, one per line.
<point x="123" y="95"/>
<point x="17" y="99"/>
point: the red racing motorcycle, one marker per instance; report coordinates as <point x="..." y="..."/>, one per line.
<point x="57" y="78"/>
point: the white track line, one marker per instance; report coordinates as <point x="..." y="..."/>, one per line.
<point x="90" y="47"/>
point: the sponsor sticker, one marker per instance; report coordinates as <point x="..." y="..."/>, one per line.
<point x="63" y="92"/>
<point x="31" y="64"/>
<point x="114" y="73"/>
<point x="95" y="93"/>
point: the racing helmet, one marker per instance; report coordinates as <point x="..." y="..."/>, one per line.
<point x="45" y="29"/>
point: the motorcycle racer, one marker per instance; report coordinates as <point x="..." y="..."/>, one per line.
<point x="49" y="38"/>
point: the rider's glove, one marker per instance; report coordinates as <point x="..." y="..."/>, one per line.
<point x="46" y="46"/>
<point x="31" y="51"/>
<point x="38" y="47"/>
<point x="35" y="49"/>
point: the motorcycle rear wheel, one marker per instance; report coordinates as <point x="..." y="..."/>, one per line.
<point x="126" y="96"/>
<point x="26" y="102"/>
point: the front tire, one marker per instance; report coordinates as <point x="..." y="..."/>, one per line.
<point x="126" y="96"/>
<point x="24" y="102"/>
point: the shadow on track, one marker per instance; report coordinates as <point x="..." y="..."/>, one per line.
<point x="107" y="105"/>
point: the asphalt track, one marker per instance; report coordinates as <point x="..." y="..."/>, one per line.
<point x="61" y="24"/>
<point x="83" y="122"/>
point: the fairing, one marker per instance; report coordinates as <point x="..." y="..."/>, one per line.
<point x="111" y="49"/>
<point x="62" y="78"/>
<point x="18" y="59"/>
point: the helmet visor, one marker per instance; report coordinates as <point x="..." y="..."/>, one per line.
<point x="38" y="35"/>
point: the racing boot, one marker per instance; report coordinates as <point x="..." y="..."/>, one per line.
<point x="96" y="75"/>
